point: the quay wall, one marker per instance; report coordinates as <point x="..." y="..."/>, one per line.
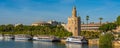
<point x="93" y="41"/>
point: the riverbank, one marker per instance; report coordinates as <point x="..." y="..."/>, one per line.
<point x="115" y="43"/>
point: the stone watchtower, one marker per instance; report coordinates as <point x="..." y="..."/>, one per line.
<point x="74" y="23"/>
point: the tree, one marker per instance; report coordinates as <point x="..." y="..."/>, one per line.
<point x="35" y="30"/>
<point x="3" y="28"/>
<point x="87" y="18"/>
<point x="119" y="36"/>
<point x="90" y="34"/>
<point x="9" y="27"/>
<point x="106" y="39"/>
<point x="19" y="27"/>
<point x="107" y="27"/>
<point x="100" y="20"/>
<point x="118" y="20"/>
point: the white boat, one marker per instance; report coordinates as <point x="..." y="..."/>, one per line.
<point x="22" y="37"/>
<point x="77" y="39"/>
<point x="8" y="36"/>
<point x="46" y="38"/>
<point x="1" y="36"/>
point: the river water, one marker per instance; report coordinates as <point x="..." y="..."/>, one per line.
<point x="39" y="44"/>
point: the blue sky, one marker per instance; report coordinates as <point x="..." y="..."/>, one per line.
<point x="29" y="11"/>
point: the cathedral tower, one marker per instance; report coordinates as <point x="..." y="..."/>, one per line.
<point x="74" y="23"/>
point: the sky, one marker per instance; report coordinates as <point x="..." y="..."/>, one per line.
<point x="29" y="11"/>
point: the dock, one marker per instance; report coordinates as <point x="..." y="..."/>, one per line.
<point x="62" y="41"/>
<point x="93" y="41"/>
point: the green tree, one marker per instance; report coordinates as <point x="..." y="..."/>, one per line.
<point x="90" y="34"/>
<point x="119" y="36"/>
<point x="107" y="27"/>
<point x="2" y="28"/>
<point x="118" y="20"/>
<point x="87" y="18"/>
<point x="35" y="30"/>
<point x="10" y="27"/>
<point x="106" y="39"/>
<point x="19" y="27"/>
<point x="100" y="20"/>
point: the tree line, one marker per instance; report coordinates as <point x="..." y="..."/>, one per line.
<point x="90" y="34"/>
<point x="35" y="30"/>
<point x="110" y="26"/>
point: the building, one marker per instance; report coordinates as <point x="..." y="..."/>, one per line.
<point x="54" y="23"/>
<point x="18" y="24"/>
<point x="73" y="24"/>
<point x="90" y="27"/>
<point x="41" y="23"/>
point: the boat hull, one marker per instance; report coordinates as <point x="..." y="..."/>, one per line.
<point x="78" y="39"/>
<point x="1" y="37"/>
<point x="46" y="39"/>
<point x="22" y="38"/>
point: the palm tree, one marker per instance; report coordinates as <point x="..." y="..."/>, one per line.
<point x="87" y="18"/>
<point x="100" y="20"/>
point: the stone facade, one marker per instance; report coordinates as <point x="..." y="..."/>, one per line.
<point x="90" y="27"/>
<point x="73" y="24"/>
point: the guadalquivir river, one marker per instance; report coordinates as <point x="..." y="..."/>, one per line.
<point x="39" y="44"/>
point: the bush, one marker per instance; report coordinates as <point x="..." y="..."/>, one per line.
<point x="106" y="39"/>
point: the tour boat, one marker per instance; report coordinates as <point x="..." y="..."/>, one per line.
<point x="1" y="36"/>
<point x="77" y="39"/>
<point x="8" y="36"/>
<point x="46" y="38"/>
<point x="22" y="37"/>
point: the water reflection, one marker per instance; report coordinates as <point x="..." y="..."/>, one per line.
<point x="21" y="40"/>
<point x="7" y="39"/>
<point x="1" y="39"/>
<point x="105" y="46"/>
<point x="72" y="45"/>
<point x="93" y="46"/>
<point x="40" y="44"/>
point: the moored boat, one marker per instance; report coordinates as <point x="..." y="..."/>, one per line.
<point x="1" y="36"/>
<point x="22" y="37"/>
<point x="46" y="38"/>
<point x="8" y="36"/>
<point x="77" y="39"/>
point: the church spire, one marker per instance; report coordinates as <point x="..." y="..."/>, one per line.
<point x="74" y="12"/>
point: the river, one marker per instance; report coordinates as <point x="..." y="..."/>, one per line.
<point x="39" y="44"/>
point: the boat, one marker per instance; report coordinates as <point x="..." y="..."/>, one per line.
<point x="8" y="36"/>
<point x="22" y="37"/>
<point x="1" y="36"/>
<point x="77" y="39"/>
<point x="46" y="38"/>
